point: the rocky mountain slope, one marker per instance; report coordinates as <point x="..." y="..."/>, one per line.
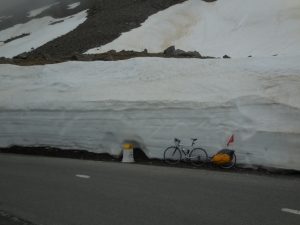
<point x="106" y="21"/>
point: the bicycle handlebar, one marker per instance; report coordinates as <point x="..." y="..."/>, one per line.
<point x="177" y="140"/>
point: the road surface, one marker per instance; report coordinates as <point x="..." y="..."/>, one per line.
<point x="55" y="191"/>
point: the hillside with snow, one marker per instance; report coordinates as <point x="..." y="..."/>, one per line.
<point x="233" y="27"/>
<point x="98" y="105"/>
<point x="36" y="33"/>
<point x="103" y="22"/>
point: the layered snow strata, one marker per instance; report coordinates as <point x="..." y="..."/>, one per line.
<point x="238" y="28"/>
<point x="98" y="105"/>
<point x="41" y="30"/>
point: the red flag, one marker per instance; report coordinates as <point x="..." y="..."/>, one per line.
<point x="231" y="140"/>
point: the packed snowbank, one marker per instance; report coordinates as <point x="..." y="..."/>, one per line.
<point x="98" y="105"/>
<point x="41" y="30"/>
<point x="238" y="28"/>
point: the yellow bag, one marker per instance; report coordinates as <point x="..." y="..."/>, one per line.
<point x="223" y="157"/>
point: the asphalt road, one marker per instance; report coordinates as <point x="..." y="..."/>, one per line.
<point x="54" y="191"/>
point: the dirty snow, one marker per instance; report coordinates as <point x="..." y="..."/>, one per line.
<point x="238" y="28"/>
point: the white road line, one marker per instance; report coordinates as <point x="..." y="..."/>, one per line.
<point x="82" y="176"/>
<point x="293" y="211"/>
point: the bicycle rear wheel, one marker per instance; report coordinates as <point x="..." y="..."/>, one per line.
<point x="198" y="156"/>
<point x="172" y="155"/>
<point x="231" y="164"/>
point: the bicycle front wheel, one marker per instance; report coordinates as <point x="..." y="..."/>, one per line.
<point x="198" y="156"/>
<point x="172" y="155"/>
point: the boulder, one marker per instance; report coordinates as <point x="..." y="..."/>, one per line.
<point x="23" y="55"/>
<point x="170" y="51"/>
<point x="226" y="57"/>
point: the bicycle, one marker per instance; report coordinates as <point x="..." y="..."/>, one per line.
<point x="196" y="155"/>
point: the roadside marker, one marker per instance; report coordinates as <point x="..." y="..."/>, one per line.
<point x="82" y="176"/>
<point x="293" y="211"/>
<point x="128" y="153"/>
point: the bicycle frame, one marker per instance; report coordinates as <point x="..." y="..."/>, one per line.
<point x="185" y="149"/>
<point x="196" y="155"/>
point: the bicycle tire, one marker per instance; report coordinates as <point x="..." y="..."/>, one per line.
<point x="198" y="156"/>
<point x="231" y="164"/>
<point x="172" y="155"/>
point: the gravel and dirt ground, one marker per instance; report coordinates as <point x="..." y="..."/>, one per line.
<point x="27" y="59"/>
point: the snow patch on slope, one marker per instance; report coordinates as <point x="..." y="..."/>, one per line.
<point x="234" y="27"/>
<point x="3" y="18"/>
<point x="74" y="5"/>
<point x="36" y="12"/>
<point x="98" y="105"/>
<point x="42" y="30"/>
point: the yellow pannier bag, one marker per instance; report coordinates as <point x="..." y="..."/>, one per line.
<point x="221" y="158"/>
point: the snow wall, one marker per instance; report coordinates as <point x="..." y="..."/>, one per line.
<point x="97" y="105"/>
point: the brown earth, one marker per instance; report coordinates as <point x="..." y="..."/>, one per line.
<point x="26" y="59"/>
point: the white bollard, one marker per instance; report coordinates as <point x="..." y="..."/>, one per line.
<point x="128" y="153"/>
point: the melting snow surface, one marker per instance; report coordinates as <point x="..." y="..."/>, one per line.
<point x="238" y="28"/>
<point x="98" y="105"/>
<point x="41" y="31"/>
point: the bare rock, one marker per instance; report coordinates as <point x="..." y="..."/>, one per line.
<point x="179" y="52"/>
<point x="23" y="55"/>
<point x="170" y="51"/>
<point x="226" y="57"/>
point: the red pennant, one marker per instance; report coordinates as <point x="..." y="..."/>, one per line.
<point x="231" y="140"/>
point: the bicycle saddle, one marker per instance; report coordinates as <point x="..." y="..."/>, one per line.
<point x="194" y="139"/>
